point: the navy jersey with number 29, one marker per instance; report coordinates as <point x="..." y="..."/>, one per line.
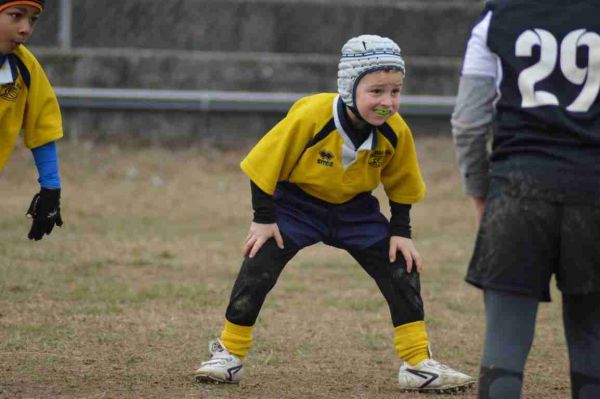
<point x="547" y="122"/>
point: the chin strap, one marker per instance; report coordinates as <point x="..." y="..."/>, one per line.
<point x="357" y="114"/>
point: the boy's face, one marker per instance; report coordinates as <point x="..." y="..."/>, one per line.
<point x="16" y="26"/>
<point x="378" y="95"/>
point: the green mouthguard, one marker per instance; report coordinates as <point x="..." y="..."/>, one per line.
<point x="382" y="112"/>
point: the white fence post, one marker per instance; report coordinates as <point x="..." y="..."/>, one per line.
<point x="64" y="24"/>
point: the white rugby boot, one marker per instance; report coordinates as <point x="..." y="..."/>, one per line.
<point x="222" y="366"/>
<point x="432" y="376"/>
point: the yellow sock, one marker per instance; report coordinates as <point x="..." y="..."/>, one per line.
<point x="237" y="339"/>
<point x="411" y="342"/>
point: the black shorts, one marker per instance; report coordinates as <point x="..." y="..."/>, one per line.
<point x="523" y="240"/>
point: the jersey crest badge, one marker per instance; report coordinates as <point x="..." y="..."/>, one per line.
<point x="10" y="91"/>
<point x="378" y="157"/>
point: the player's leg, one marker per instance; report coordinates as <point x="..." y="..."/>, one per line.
<point x="363" y="231"/>
<point x="581" y="316"/>
<point x="402" y="292"/>
<point x="516" y="251"/>
<point x="506" y="346"/>
<point x="300" y="221"/>
<point x="579" y="280"/>
<point x="256" y="278"/>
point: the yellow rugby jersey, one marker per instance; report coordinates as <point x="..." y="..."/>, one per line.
<point x="310" y="148"/>
<point x="28" y="103"/>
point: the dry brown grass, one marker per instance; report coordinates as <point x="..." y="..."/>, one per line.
<point x="121" y="301"/>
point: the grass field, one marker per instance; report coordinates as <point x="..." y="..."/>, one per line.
<point x="122" y="300"/>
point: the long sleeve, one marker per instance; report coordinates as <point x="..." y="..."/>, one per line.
<point x="46" y="162"/>
<point x="263" y="205"/>
<point x="400" y="220"/>
<point x="471" y="123"/>
<point x="473" y="113"/>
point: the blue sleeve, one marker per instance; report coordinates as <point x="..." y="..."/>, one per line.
<point x="46" y="161"/>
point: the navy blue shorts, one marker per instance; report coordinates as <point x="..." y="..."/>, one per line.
<point x="524" y="240"/>
<point x="307" y="220"/>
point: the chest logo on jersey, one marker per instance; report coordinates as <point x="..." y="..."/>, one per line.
<point x="378" y="157"/>
<point x="10" y="91"/>
<point x="325" y="158"/>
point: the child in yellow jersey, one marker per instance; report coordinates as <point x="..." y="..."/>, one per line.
<point x="311" y="181"/>
<point x="28" y="103"/>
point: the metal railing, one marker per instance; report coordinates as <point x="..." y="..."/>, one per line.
<point x="225" y="101"/>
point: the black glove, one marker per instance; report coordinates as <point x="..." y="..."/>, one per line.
<point x="45" y="211"/>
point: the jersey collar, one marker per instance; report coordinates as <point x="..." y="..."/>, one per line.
<point x="348" y="151"/>
<point x="6" y="71"/>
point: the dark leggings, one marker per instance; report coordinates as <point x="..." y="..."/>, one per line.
<point x="258" y="276"/>
<point x="509" y="335"/>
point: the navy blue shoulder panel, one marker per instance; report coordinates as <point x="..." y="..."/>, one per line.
<point x="389" y="134"/>
<point x="23" y="71"/>
<point x="328" y="128"/>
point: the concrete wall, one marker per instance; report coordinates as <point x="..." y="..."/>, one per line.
<point x="180" y="70"/>
<point x="251" y="45"/>
<point x="424" y="28"/>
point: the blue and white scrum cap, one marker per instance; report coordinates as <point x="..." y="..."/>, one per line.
<point x="362" y="55"/>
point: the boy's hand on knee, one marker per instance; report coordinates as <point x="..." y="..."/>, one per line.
<point x="407" y="248"/>
<point x="259" y="234"/>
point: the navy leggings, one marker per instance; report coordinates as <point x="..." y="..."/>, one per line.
<point x="259" y="274"/>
